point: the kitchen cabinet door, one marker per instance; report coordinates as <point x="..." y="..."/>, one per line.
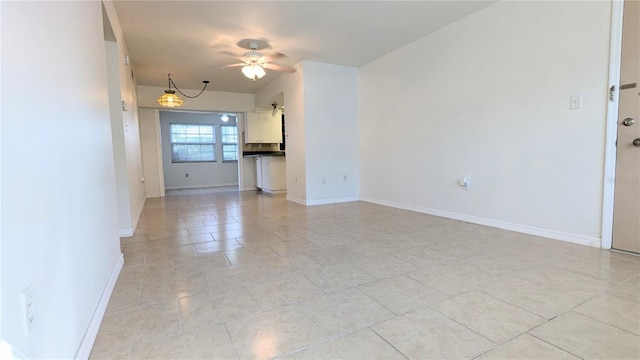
<point x="276" y="128"/>
<point x="252" y="128"/>
<point x="265" y="128"/>
<point x="259" y="172"/>
<point x="274" y="174"/>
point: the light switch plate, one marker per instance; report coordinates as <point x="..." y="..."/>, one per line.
<point x="575" y="102"/>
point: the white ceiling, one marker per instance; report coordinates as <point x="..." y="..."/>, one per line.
<point x="188" y="38"/>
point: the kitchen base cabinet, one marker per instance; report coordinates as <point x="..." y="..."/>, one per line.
<point x="274" y="174"/>
<point x="249" y="174"/>
<point x="259" y="172"/>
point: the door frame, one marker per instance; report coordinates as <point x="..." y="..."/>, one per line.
<point x="615" y="56"/>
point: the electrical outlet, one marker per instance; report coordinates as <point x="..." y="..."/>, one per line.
<point x="29" y="298"/>
<point x="464" y="182"/>
<point x="324" y="180"/>
<point x="186" y="175"/>
<point x="344" y="178"/>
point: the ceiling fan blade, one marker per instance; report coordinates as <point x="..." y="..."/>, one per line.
<point x="272" y="57"/>
<point x="233" y="55"/>
<point x="229" y="53"/>
<point x="280" y="68"/>
<point x="236" y="64"/>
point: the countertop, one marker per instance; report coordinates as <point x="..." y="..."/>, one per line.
<point x="262" y="153"/>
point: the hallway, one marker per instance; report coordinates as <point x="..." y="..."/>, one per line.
<point x="228" y="275"/>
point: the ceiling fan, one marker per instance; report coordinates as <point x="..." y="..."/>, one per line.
<point x="253" y="63"/>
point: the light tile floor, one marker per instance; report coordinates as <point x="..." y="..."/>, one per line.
<point x="225" y="275"/>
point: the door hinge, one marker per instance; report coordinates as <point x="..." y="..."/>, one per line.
<point x="612" y="92"/>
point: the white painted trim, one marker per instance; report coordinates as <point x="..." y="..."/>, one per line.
<point x="525" y="229"/>
<point x="10" y="353"/>
<point x="296" y="200"/>
<point x="241" y="159"/>
<point x="332" y="201"/>
<point x="159" y="152"/>
<point x="608" y="191"/>
<point x="200" y="186"/>
<point x="131" y="230"/>
<point x="274" y="192"/>
<point x="138" y="213"/>
<point x="250" y="188"/>
<point x="126" y="232"/>
<point x="92" y="331"/>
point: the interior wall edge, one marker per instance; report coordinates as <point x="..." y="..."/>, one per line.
<point x="297" y="200"/>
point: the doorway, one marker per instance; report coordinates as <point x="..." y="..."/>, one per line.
<point x="199" y="149"/>
<point x="626" y="211"/>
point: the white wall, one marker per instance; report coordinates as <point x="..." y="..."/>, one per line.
<point x="125" y="129"/>
<point x="488" y="98"/>
<point x="322" y="131"/>
<point x="208" y="101"/>
<point x="151" y="152"/>
<point x="292" y="87"/>
<point x="331" y="130"/>
<point x="118" y="139"/>
<point x="59" y="218"/>
<point x="201" y="174"/>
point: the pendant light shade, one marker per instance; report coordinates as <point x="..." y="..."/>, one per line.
<point x="170" y="99"/>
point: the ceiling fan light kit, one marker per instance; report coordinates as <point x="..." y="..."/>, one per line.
<point x="170" y="100"/>
<point x="254" y="63"/>
<point x="253" y="71"/>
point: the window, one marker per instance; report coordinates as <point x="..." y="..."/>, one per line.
<point x="229" y="142"/>
<point x="193" y="143"/>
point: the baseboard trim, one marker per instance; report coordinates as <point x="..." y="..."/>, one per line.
<point x="126" y="232"/>
<point x="525" y="229"/>
<point x="10" y="353"/>
<point x="199" y="186"/>
<point x="250" y="188"/>
<point x="138" y="213"/>
<point x="332" y="201"/>
<point x="92" y="331"/>
<point x="274" y="192"/>
<point x="296" y="200"/>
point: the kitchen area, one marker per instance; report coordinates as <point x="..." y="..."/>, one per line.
<point x="263" y="151"/>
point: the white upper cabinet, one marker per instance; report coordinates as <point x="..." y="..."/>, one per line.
<point x="252" y="132"/>
<point x="263" y="128"/>
<point x="276" y="128"/>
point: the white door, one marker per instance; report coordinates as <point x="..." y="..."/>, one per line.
<point x="626" y="214"/>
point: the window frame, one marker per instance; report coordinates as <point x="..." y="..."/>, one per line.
<point x="222" y="143"/>
<point x="212" y="144"/>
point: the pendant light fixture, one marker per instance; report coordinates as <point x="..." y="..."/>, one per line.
<point x="171" y="100"/>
